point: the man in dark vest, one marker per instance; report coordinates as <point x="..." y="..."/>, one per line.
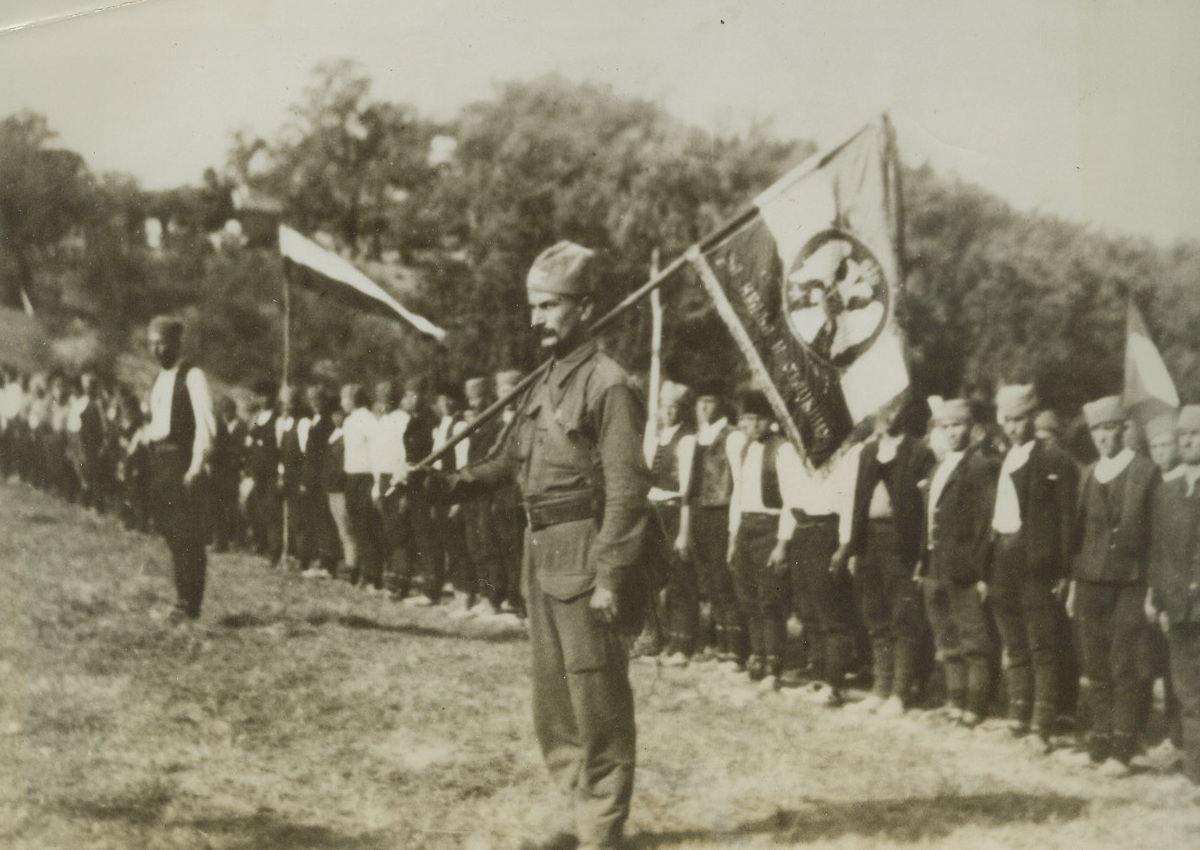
<point x="666" y="497"/>
<point x="1108" y="583"/>
<point x="1032" y="534"/>
<point x="180" y="437"/>
<point x="885" y="548"/>
<point x="318" y="528"/>
<point x="958" y="509"/>
<point x="225" y="467"/>
<point x="708" y="459"/>
<point x="575" y="451"/>
<point x="291" y="469"/>
<point x="264" y="502"/>
<point x="1174" y="597"/>
<point x="423" y="561"/>
<point x="482" y="537"/>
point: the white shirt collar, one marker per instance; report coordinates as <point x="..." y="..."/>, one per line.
<point x="1108" y="468"/>
<point x="707" y="433"/>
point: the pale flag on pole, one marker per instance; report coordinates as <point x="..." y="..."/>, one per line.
<point x="1149" y="390"/>
<point x="329" y="274"/>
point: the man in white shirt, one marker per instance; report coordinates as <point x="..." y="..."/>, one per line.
<point x="363" y="519"/>
<point x="760" y="526"/>
<point x="387" y="460"/>
<point x="180" y="437"/>
<point x="821" y="505"/>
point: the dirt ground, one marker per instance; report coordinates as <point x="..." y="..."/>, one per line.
<point x="305" y="714"/>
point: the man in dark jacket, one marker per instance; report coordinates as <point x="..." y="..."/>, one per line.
<point x="1174" y="598"/>
<point x="1108" y="583"/>
<point x="1032" y="532"/>
<point x="885" y="545"/>
<point x="958" y="506"/>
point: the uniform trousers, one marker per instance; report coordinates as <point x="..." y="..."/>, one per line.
<point x="709" y="545"/>
<point x="341" y="521"/>
<point x="1184" y="643"/>
<point x="763" y="595"/>
<point x="891" y="606"/>
<point x="366" y="528"/>
<point x="824" y="600"/>
<point x="180" y="517"/>
<point x="510" y="543"/>
<point x="964" y="646"/>
<point x="264" y="513"/>
<point x="683" y="587"/>
<point x="483" y="550"/>
<point x="420" y="558"/>
<point x="449" y="552"/>
<point x="227" y="522"/>
<point x="1023" y="606"/>
<point x="582" y="700"/>
<point x="1111" y="626"/>
<point x="394" y="529"/>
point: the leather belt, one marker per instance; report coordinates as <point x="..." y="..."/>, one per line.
<point x="546" y="511"/>
<point x="804" y="520"/>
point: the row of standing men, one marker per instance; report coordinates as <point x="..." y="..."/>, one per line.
<point x="977" y="555"/>
<point x="1094" y="572"/>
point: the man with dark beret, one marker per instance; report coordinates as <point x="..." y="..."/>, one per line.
<point x="575" y="451"/>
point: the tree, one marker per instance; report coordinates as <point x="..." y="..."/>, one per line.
<point x="43" y="195"/>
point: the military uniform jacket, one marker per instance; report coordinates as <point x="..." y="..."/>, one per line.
<point x="955" y="542"/>
<point x="578" y="430"/>
<point x="1175" y="551"/>
<point x="1047" y="488"/>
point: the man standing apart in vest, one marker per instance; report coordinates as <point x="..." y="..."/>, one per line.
<point x="1032" y="533"/>
<point x="180" y="437"/>
<point x="1174" y="595"/>
<point x="1108" y="583"/>
<point x="575" y="451"/>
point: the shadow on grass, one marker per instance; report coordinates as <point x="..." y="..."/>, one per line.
<point x="265" y="830"/>
<point x="247" y="620"/>
<point x="911" y="820"/>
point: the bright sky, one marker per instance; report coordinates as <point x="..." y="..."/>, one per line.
<point x="1085" y="108"/>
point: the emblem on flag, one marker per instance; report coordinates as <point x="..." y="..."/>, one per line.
<point x="808" y="287"/>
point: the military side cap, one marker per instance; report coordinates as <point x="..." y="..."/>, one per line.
<point x="562" y="269"/>
<point x="167" y="326"/>
<point x="1104" y="411"/>
<point x="754" y="403"/>
<point x="944" y="411"/>
<point x="1161" y="425"/>
<point x="1189" y="418"/>
<point x="710" y="388"/>
<point x="1015" y="401"/>
<point x="673" y="393"/>
<point x="1047" y="420"/>
<point x="476" y="387"/>
<point x="507" y="380"/>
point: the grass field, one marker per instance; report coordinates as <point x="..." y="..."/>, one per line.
<point x="303" y="714"/>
